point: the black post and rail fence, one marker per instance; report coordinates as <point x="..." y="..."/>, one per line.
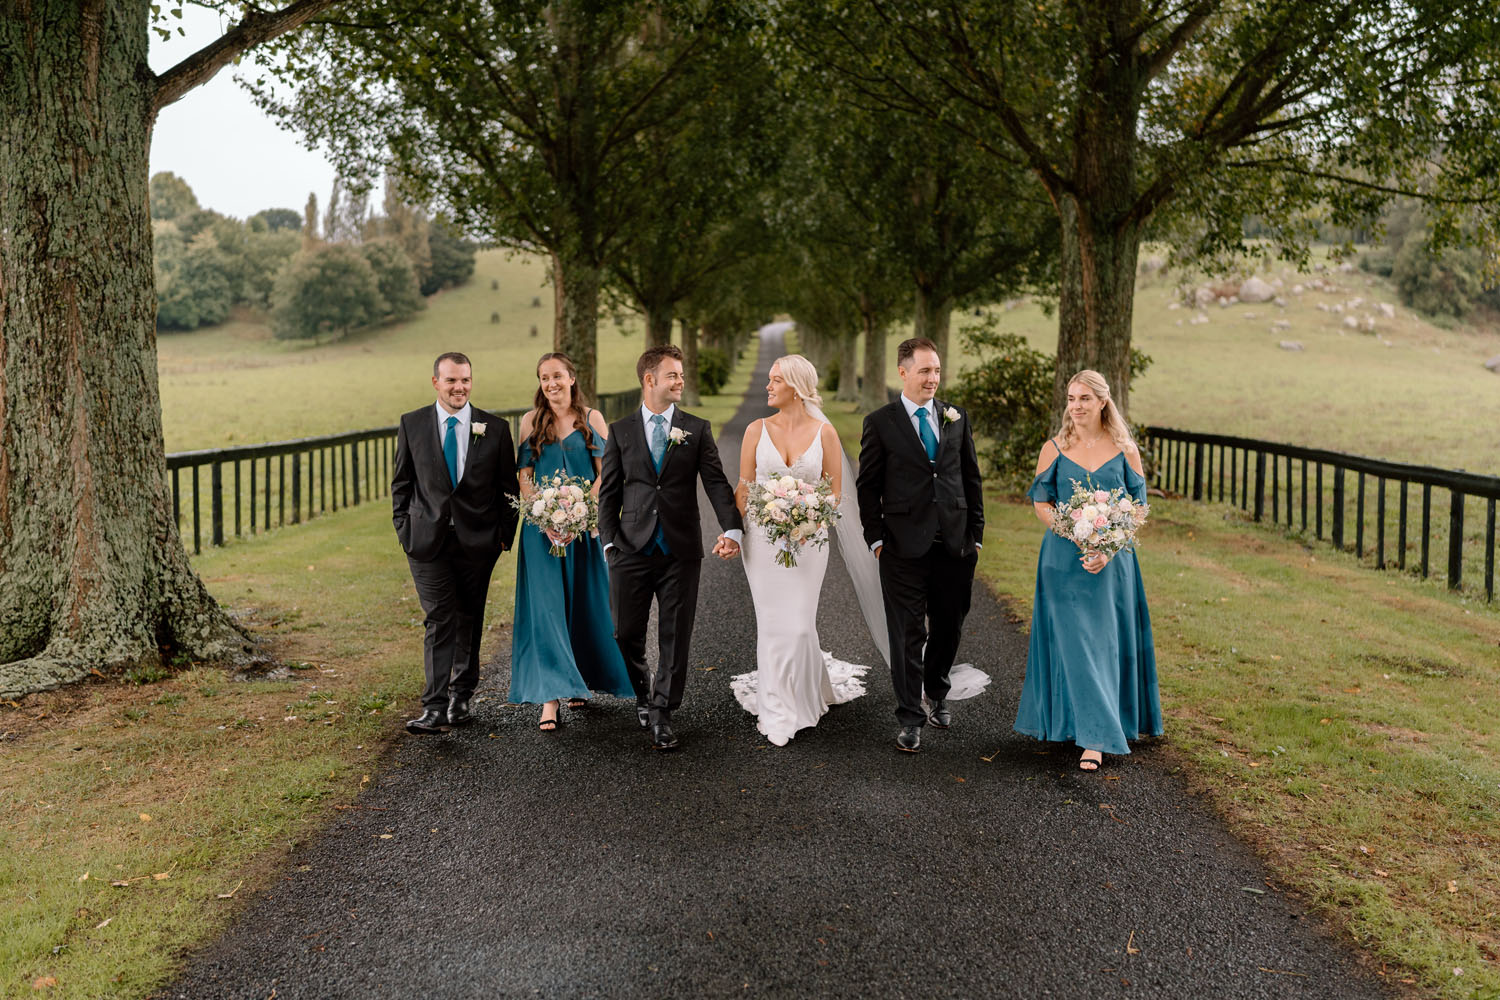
<point x="224" y="493"/>
<point x="1381" y="511"/>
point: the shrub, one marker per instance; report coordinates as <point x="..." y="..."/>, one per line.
<point x="194" y="283"/>
<point x="394" y="277"/>
<point x="332" y="289"/>
<point x="452" y="259"/>
<point x="713" y="370"/>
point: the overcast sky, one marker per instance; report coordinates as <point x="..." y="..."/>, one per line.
<point x="235" y="158"/>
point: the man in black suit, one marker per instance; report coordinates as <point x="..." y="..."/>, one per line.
<point x="455" y="466"/>
<point x="648" y="522"/>
<point x="921" y="505"/>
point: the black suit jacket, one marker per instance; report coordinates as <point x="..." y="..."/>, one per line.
<point x="632" y="497"/>
<point x="425" y="506"/>
<point x="904" y="499"/>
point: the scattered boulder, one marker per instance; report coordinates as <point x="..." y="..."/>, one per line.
<point x="1279" y="302"/>
<point x="1253" y="289"/>
<point x="1367" y="324"/>
<point x="1174" y="305"/>
<point x="1387" y="310"/>
<point x="1199" y="317"/>
<point x="1281" y="324"/>
<point x="1346" y="267"/>
<point x="1493" y="364"/>
<point x="1352" y="322"/>
<point x="1354" y="303"/>
<point x="1298" y="289"/>
<point x="1290" y="345"/>
<point x="1251" y="315"/>
<point x="1202" y="296"/>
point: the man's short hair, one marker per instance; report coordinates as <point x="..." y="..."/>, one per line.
<point x="907" y="348"/>
<point x="453" y="356"/>
<point x="651" y="360"/>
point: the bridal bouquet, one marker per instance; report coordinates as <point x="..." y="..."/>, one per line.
<point x="562" y="507"/>
<point x="1099" y="520"/>
<point x="793" y="513"/>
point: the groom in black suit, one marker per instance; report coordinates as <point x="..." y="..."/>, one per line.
<point x="455" y="465"/>
<point x="921" y="505"/>
<point x="648" y="522"/>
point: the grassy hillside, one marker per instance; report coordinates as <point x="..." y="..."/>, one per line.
<point x="235" y="384"/>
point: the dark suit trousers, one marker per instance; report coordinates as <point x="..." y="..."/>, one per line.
<point x="634" y="580"/>
<point x="926" y="600"/>
<point x="452" y="589"/>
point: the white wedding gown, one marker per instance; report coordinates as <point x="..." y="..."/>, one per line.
<point x="795" y="681"/>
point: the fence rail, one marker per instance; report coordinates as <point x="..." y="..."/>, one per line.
<point x="252" y="488"/>
<point x="1290" y="482"/>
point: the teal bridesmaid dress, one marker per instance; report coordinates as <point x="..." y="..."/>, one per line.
<point x="1091" y="669"/>
<point x="563" y="643"/>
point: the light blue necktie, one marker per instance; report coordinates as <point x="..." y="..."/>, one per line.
<point x="450" y="450"/>
<point x="658" y="439"/>
<point x="924" y="430"/>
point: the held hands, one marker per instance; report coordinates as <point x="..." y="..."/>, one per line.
<point x="1094" y="561"/>
<point x="726" y="548"/>
<point x="557" y="539"/>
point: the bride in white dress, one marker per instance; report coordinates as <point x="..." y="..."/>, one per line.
<point x="795" y="681"/>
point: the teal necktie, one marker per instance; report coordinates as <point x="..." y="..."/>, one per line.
<point x="924" y="430"/>
<point x="450" y="450"/>
<point x="658" y="439"/>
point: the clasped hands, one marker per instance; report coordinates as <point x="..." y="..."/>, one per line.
<point x="726" y="548"/>
<point x="1094" y="561"/>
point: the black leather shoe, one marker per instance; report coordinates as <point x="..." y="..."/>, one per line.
<point x="909" y="739"/>
<point x="431" y="721"/>
<point x="458" y="712"/>
<point x="940" y="716"/>
<point x="643" y="715"/>
<point x="662" y="737"/>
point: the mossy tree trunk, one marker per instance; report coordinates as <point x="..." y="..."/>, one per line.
<point x="93" y="575"/>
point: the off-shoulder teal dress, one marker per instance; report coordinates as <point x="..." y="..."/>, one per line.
<point x="563" y="643"/>
<point x="1091" y="669"/>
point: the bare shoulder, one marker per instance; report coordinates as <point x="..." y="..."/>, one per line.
<point x="528" y="421"/>
<point x="752" y="431"/>
<point x="598" y="424"/>
<point x="1133" y="457"/>
<point x="1049" y="454"/>
<point x="830" y="438"/>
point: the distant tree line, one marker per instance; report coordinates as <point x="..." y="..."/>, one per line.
<point x="1448" y="285"/>
<point x="360" y="269"/>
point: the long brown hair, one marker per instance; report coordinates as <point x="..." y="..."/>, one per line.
<point x="544" y="421"/>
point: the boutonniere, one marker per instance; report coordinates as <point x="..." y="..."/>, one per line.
<point x="676" y="436"/>
<point x="950" y="416"/>
<point x="477" y="429"/>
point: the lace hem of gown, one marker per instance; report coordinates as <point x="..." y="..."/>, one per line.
<point x="847" y="680"/>
<point x="966" y="681"/>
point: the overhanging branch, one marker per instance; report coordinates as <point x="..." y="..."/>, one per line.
<point x="257" y="26"/>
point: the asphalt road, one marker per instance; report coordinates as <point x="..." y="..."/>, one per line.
<point x="501" y="861"/>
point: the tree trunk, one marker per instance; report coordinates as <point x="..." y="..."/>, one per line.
<point x="1096" y="302"/>
<point x="575" y="281"/>
<point x="658" y="324"/>
<point x="872" y="391"/>
<point x="848" y="391"/>
<point x="931" y="316"/>
<point x="690" y="394"/>
<point x="93" y="575"/>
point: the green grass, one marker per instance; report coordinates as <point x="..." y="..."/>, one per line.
<point x="195" y="786"/>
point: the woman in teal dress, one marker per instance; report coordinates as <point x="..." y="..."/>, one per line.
<point x="1091" y="669"/>
<point x="563" y="643"/>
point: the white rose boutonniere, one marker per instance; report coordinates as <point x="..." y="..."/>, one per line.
<point x="950" y="416"/>
<point x="677" y="436"/>
<point x="478" y="429"/>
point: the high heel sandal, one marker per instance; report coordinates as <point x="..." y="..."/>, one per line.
<point x="1090" y="764"/>
<point x="577" y="703"/>
<point x="549" y="725"/>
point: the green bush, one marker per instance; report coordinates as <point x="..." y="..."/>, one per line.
<point x="194" y="283"/>
<point x="394" y="277"/>
<point x="170" y="196"/>
<point x="332" y="289"/>
<point x="452" y="258"/>
<point x="713" y="370"/>
<point x="1449" y="285"/>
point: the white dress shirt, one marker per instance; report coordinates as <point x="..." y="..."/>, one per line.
<point x="460" y="432"/>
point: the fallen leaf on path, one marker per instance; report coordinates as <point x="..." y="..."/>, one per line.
<point x="1251" y="888"/>
<point x="84" y="877"/>
<point x="231" y="892"/>
<point x="103" y="923"/>
<point x="1452" y="886"/>
<point x="44" y="982"/>
<point x="1382" y="874"/>
<point x="145" y="817"/>
<point x="1130" y="948"/>
<point x="386" y="836"/>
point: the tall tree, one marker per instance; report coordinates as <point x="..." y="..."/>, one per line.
<point x="527" y="121"/>
<point x="93" y="574"/>
<point x="1145" y="117"/>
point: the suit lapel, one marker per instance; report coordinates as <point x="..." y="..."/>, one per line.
<point x="437" y="464"/>
<point x="671" y="425"/>
<point x="942" y="428"/>
<point x="481" y="417"/>
<point x="636" y="433"/>
<point x="907" y="431"/>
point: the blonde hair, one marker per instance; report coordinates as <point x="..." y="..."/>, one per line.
<point x="799" y="373"/>
<point x="1110" y="416"/>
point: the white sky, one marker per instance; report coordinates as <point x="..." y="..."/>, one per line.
<point x="234" y="157"/>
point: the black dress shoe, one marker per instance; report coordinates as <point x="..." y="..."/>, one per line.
<point x="909" y="739"/>
<point x="643" y="715"/>
<point x="431" y="721"/>
<point x="940" y="716"/>
<point x="662" y="737"/>
<point x="458" y="712"/>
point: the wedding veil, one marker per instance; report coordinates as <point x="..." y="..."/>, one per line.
<point x="864" y="571"/>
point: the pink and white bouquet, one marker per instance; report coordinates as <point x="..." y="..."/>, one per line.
<point x="563" y="507"/>
<point x="792" y="512"/>
<point x="1099" y="520"/>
